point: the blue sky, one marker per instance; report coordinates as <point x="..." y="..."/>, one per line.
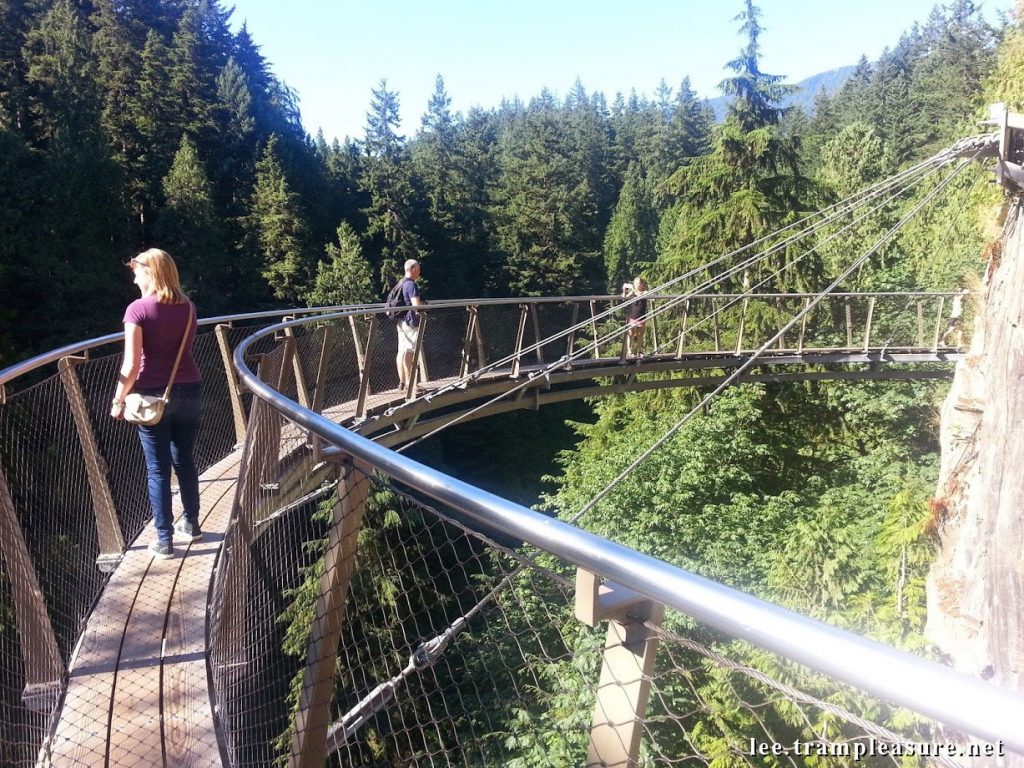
<point x="334" y="52"/>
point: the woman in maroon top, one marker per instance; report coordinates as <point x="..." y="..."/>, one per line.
<point x="153" y="329"/>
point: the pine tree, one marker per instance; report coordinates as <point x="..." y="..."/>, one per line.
<point x="189" y="228"/>
<point x="630" y="240"/>
<point x="278" y="228"/>
<point x="386" y="179"/>
<point x="750" y="184"/>
<point x="345" y="278"/>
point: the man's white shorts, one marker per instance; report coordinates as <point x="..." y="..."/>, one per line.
<point x="407" y="337"/>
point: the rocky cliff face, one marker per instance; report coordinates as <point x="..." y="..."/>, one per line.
<point x="976" y="585"/>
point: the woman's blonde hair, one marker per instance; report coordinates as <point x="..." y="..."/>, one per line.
<point x="161" y="266"/>
<point x="639" y="284"/>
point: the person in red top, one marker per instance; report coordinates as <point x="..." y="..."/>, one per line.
<point x="153" y="329"/>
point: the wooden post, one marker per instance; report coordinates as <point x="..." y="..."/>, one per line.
<point x="309" y="740"/>
<point x="920" y="323"/>
<point x="938" y="323"/>
<point x="300" y="378"/>
<point x="364" y="368"/>
<point x="108" y="528"/>
<point x="536" y="333"/>
<point x="357" y="340"/>
<point x="593" y="328"/>
<point x="319" y="387"/>
<point x="419" y="370"/>
<point x="44" y="670"/>
<point x="715" y="329"/>
<point x="849" y="322"/>
<point x="654" y="326"/>
<point x="571" y="340"/>
<point x="803" y="327"/>
<point x="628" y="663"/>
<point x="467" y="341"/>
<point x="739" y="332"/>
<point x="867" y="327"/>
<point x="682" y="329"/>
<point x="234" y="392"/>
<point x="520" y="333"/>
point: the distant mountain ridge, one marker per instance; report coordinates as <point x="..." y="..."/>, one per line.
<point x="809" y="87"/>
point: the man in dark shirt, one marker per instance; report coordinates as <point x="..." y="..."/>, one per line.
<point x="409" y="325"/>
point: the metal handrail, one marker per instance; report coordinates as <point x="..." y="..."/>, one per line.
<point x="954" y="698"/>
<point x="12" y="372"/>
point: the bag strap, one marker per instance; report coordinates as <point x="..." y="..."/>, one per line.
<point x="181" y="349"/>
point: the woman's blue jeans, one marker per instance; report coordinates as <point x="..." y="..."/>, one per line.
<point x="172" y="443"/>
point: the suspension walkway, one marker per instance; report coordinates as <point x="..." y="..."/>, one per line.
<point x="109" y="657"/>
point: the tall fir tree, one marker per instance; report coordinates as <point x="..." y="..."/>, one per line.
<point x="345" y="277"/>
<point x="278" y="229"/>
<point x="387" y="181"/>
<point x="630" y="242"/>
<point x="750" y="184"/>
<point x="190" y="228"/>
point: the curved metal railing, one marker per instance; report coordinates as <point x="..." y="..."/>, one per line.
<point x="71" y="479"/>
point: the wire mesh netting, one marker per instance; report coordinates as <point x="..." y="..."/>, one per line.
<point x="77" y="488"/>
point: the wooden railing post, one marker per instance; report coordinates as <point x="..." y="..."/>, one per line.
<point x="593" y="328"/>
<point x="571" y="340"/>
<point x="938" y="323"/>
<point x="536" y="333"/>
<point x="849" y="322"/>
<point x="867" y="326"/>
<point x="108" y="527"/>
<point x="739" y="330"/>
<point x="364" y="367"/>
<point x="309" y="739"/>
<point x="319" y="386"/>
<point x="300" y="377"/>
<point x="234" y="391"/>
<point x="419" y="368"/>
<point x="803" y="327"/>
<point x="628" y="664"/>
<point x="44" y="669"/>
<point x="681" y="347"/>
<point x="520" y="333"/>
<point x="467" y="343"/>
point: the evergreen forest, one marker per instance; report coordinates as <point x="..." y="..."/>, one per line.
<point x="131" y="123"/>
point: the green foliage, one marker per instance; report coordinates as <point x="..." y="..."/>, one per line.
<point x="279" y="228"/>
<point x="345" y="278"/>
<point x="630" y="240"/>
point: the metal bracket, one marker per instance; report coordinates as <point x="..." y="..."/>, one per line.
<point x="41" y="697"/>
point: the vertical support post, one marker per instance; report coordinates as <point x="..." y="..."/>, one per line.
<point x="272" y="367"/>
<point x="654" y="326"/>
<point x="803" y="326"/>
<point x="520" y="333"/>
<point x="628" y="664"/>
<point x="421" y="352"/>
<point x="364" y="367"/>
<point x="44" y="669"/>
<point x="571" y="338"/>
<point x="300" y="378"/>
<point x="357" y="340"/>
<point x="536" y="333"/>
<point x="743" y="321"/>
<point x="108" y="528"/>
<point x="593" y="328"/>
<point x="849" y="322"/>
<point x="680" y="348"/>
<point x="715" y="329"/>
<point x="309" y="741"/>
<point x="781" y="321"/>
<point x="234" y="392"/>
<point x="320" y="386"/>
<point x="920" y="323"/>
<point x="938" y="323"/>
<point x="867" y="327"/>
<point x="418" y="369"/>
<point x="467" y="341"/>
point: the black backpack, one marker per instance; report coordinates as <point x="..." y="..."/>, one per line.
<point x="395" y="299"/>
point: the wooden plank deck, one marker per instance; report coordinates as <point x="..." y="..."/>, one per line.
<point x="137" y="692"/>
